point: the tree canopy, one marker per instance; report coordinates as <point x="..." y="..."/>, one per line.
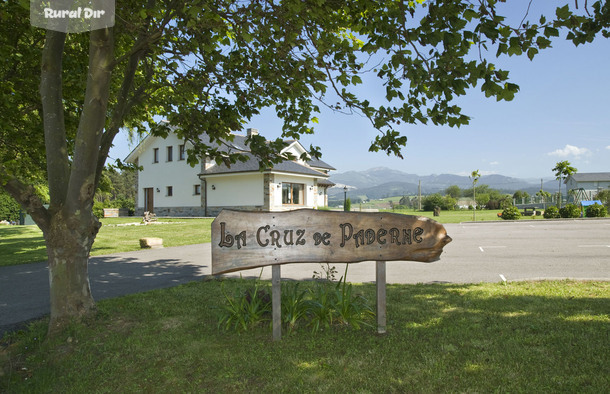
<point x="207" y="66"/>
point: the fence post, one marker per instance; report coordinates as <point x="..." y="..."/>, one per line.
<point x="276" y="301"/>
<point x="381" y="296"/>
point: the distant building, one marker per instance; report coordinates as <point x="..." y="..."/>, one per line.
<point x="588" y="184"/>
<point x="169" y="186"/>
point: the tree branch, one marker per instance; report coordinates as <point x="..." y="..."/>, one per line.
<point x="93" y="119"/>
<point x="58" y="166"/>
<point x="26" y="196"/>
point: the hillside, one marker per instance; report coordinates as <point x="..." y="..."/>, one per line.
<point x="382" y="182"/>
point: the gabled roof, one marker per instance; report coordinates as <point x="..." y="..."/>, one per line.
<point x="590" y="177"/>
<point x="320" y="164"/>
<point x="251" y="165"/>
<point x="325" y="182"/>
<point x="238" y="145"/>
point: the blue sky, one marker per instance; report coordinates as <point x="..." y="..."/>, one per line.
<point x="562" y="112"/>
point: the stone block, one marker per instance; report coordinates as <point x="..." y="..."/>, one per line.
<point x="151" y="243"/>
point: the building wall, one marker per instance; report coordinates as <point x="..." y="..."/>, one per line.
<point x="309" y="193"/>
<point x="176" y="173"/>
<point x="252" y="191"/>
<point x="235" y="190"/>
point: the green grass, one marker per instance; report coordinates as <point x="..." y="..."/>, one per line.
<point x="459" y="216"/>
<point x="25" y="244"/>
<point x="519" y="337"/>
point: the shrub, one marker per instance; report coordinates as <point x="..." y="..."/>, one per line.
<point x="431" y="201"/>
<point x="596" y="211"/>
<point x="446" y="203"/>
<point x="569" y="211"/>
<point x="9" y="208"/>
<point x="551" y="212"/>
<point x="511" y="213"/>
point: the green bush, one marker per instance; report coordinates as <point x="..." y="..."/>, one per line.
<point x="446" y="203"/>
<point x="511" y="213"/>
<point x="569" y="211"/>
<point x="551" y="213"/>
<point x="9" y="208"/>
<point x="596" y="211"/>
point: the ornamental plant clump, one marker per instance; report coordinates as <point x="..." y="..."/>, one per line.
<point x="551" y="213"/>
<point x="569" y="211"/>
<point x="327" y="305"/>
<point x="596" y="211"/>
<point x="511" y="213"/>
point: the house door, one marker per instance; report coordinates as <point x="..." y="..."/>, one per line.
<point x="149" y="205"/>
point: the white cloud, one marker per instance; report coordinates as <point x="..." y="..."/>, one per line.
<point x="494" y="163"/>
<point x="570" y="150"/>
<point x="608" y="147"/>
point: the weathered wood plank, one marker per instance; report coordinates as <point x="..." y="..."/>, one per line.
<point x="380" y="280"/>
<point x="276" y="301"/>
<point x="243" y="240"/>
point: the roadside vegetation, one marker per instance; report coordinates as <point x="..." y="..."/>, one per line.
<point x="515" y="337"/>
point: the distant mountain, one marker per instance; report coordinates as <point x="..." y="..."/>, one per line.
<point x="381" y="182"/>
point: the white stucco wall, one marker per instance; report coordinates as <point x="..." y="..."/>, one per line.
<point x="178" y="174"/>
<point x="309" y="193"/>
<point x="235" y="190"/>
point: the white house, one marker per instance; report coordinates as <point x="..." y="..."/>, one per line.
<point x="588" y="184"/>
<point x="169" y="186"/>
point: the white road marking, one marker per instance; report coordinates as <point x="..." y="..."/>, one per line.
<point x="594" y="246"/>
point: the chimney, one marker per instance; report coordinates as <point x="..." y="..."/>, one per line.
<point x="252" y="132"/>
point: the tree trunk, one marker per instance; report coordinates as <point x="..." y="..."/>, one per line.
<point x="69" y="241"/>
<point x="72" y="227"/>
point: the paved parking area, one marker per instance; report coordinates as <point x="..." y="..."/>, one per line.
<point x="481" y="252"/>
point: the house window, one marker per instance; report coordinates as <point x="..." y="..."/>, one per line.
<point x="181" y="152"/>
<point x="170" y="191"/>
<point x="292" y="193"/>
<point x="156" y="155"/>
<point x="170" y="153"/>
<point x="197" y="189"/>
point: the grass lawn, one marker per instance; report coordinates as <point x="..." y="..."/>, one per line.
<point x="25" y="244"/>
<point x="460" y="216"/>
<point x="516" y="337"/>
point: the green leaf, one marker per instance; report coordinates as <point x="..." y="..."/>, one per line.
<point x="531" y="53"/>
<point x="563" y="12"/>
<point x="551" y="32"/>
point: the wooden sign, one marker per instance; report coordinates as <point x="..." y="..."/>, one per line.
<point x="243" y="240"/>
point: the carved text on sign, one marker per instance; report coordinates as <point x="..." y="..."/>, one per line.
<point x="242" y="240"/>
<point x="265" y="237"/>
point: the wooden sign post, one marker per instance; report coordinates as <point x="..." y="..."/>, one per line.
<point x="243" y="240"/>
